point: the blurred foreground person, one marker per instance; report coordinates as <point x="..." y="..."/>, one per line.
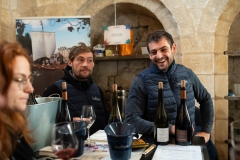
<point x="16" y="84"/>
<point x="2" y="99"/>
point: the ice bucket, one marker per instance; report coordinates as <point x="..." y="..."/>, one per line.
<point x="80" y="129"/>
<point x="41" y="118"/>
<point x="119" y="137"/>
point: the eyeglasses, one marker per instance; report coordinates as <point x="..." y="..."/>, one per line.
<point x="22" y="81"/>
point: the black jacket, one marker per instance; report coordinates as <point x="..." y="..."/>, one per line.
<point x="81" y="93"/>
<point x="23" y="151"/>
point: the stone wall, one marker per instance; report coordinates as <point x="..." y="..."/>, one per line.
<point x="200" y="29"/>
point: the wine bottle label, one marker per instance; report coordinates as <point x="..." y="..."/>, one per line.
<point x="162" y="134"/>
<point x="181" y="135"/>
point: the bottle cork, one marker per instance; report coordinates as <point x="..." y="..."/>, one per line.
<point x="64" y="91"/>
<point x="114" y="87"/>
<point x="160" y="85"/>
<point x="64" y="85"/>
<point x="183" y="89"/>
<point x="183" y="83"/>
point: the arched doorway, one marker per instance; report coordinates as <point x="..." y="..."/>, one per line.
<point x="222" y="64"/>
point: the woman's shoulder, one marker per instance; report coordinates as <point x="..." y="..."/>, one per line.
<point x="23" y="150"/>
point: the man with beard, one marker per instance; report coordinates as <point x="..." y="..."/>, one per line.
<point x="142" y="100"/>
<point x="80" y="86"/>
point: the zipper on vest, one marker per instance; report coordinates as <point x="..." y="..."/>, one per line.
<point x="174" y="95"/>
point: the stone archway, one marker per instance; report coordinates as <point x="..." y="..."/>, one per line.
<point x="221" y="74"/>
<point x="154" y="9"/>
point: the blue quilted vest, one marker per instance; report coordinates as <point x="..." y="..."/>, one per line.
<point x="171" y="85"/>
<point x="77" y="97"/>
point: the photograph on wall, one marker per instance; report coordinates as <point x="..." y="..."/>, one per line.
<point x="48" y="40"/>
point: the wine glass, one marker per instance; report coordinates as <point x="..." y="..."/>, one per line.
<point x="89" y="116"/>
<point x="64" y="140"/>
<point x="235" y="135"/>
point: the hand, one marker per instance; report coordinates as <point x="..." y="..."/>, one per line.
<point x="205" y="135"/>
<point x="172" y="130"/>
<point x="88" y="120"/>
<point x="76" y="119"/>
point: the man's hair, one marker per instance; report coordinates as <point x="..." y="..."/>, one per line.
<point x="80" y="48"/>
<point x="158" y="35"/>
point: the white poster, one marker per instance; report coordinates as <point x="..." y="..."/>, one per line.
<point x="119" y="34"/>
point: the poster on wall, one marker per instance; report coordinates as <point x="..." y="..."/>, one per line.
<point x="119" y="34"/>
<point x="48" y="40"/>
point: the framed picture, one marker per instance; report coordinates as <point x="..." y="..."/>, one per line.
<point x="48" y="40"/>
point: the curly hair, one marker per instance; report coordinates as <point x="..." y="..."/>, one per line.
<point x="158" y="35"/>
<point x="80" y="48"/>
<point x="12" y="123"/>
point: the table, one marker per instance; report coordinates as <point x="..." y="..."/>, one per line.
<point x="199" y="141"/>
<point x="137" y="153"/>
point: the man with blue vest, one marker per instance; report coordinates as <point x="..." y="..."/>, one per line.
<point x="80" y="86"/>
<point x="143" y="95"/>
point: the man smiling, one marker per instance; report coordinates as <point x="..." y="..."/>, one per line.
<point x="143" y="95"/>
<point x="80" y="86"/>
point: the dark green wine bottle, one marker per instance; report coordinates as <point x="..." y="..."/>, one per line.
<point x="115" y="115"/>
<point x="64" y="114"/>
<point x="183" y="128"/>
<point x="161" y="130"/>
<point x="32" y="99"/>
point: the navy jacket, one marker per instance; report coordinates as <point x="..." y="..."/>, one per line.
<point x="81" y="93"/>
<point x="143" y="97"/>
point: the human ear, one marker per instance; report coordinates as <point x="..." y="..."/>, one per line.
<point x="70" y="63"/>
<point x="174" y="48"/>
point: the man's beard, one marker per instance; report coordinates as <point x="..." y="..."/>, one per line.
<point x="77" y="75"/>
<point x="80" y="77"/>
<point x="158" y="64"/>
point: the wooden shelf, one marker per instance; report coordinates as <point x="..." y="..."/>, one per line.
<point x="232" y="53"/>
<point x="232" y="98"/>
<point x="236" y="100"/>
<point x="117" y="58"/>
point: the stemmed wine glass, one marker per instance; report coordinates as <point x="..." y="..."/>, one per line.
<point x="235" y="135"/>
<point x="234" y="152"/>
<point x="89" y="116"/>
<point x="64" y="140"/>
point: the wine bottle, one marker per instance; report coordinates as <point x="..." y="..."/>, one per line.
<point x="31" y="99"/>
<point x="183" y="128"/>
<point x="115" y="115"/>
<point x="64" y="114"/>
<point x="161" y="130"/>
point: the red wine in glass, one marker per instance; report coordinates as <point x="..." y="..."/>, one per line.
<point x="65" y="153"/>
<point x="64" y="140"/>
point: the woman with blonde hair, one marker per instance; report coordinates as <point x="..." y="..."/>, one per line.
<point x="15" y="86"/>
